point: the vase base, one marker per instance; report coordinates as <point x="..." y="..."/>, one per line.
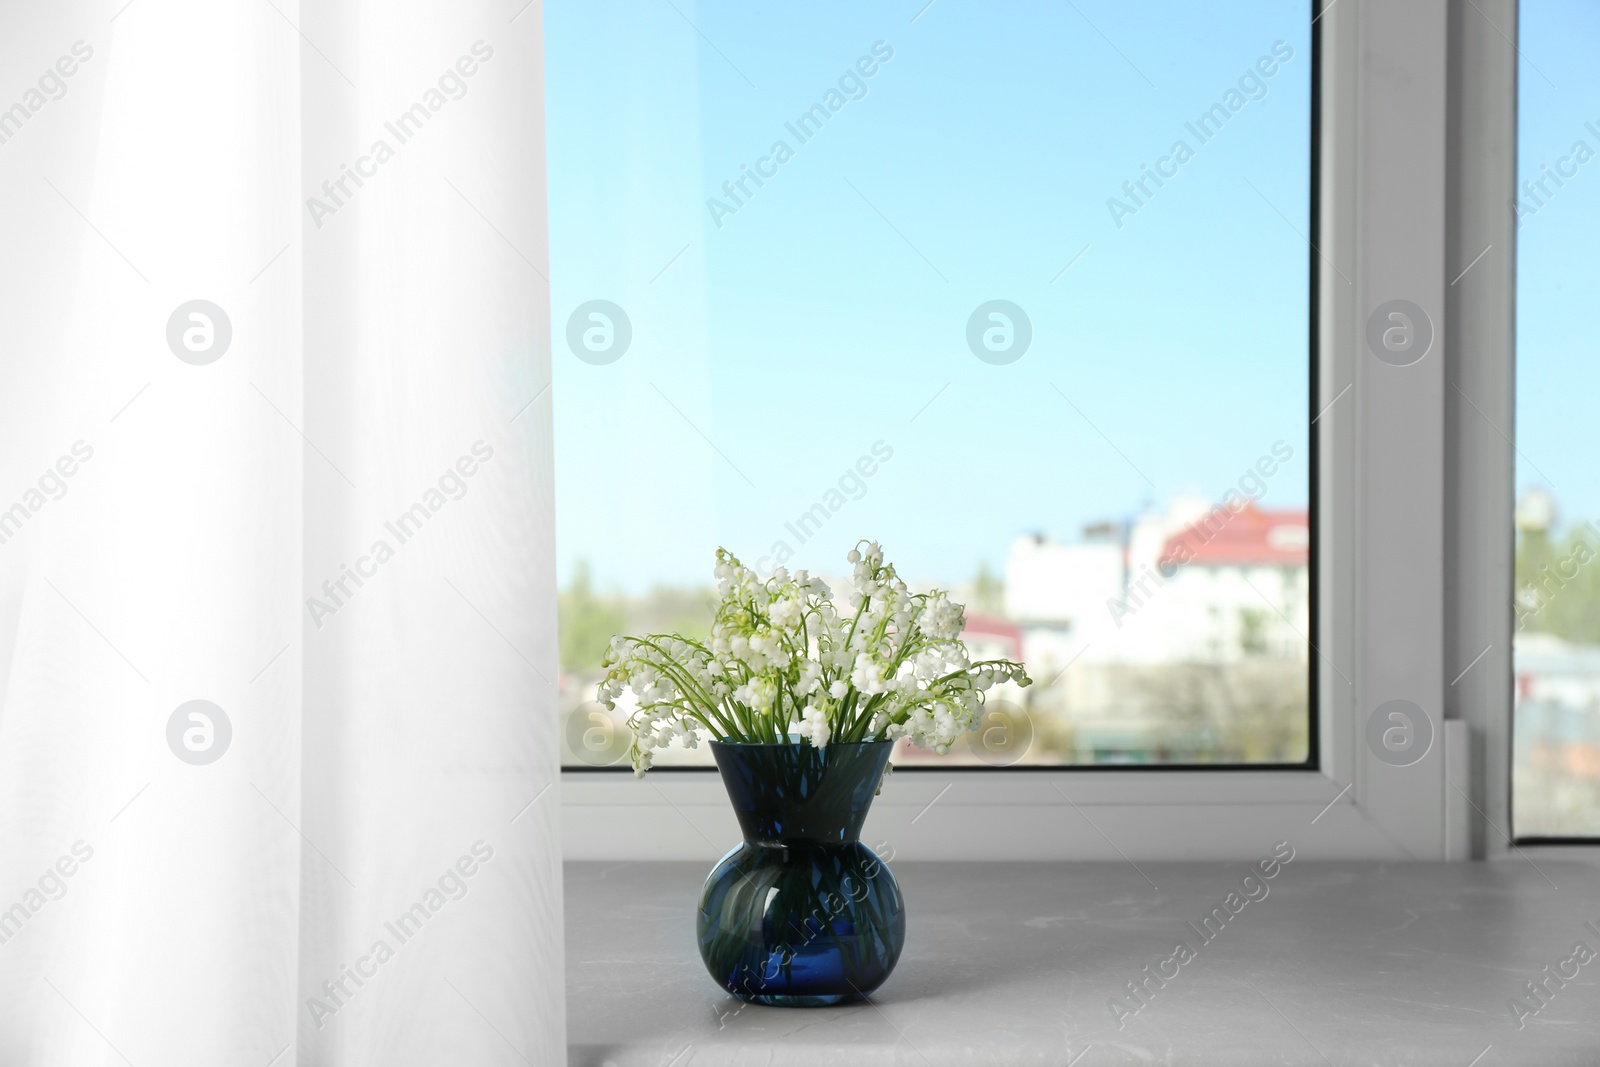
<point x="782" y="1000"/>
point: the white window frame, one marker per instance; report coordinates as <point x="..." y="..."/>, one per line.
<point x="1480" y="410"/>
<point x="1414" y="522"/>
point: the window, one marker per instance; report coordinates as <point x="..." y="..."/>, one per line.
<point x="1556" y="736"/>
<point x="1022" y="293"/>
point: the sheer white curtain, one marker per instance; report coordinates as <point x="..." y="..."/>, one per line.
<point x="319" y="501"/>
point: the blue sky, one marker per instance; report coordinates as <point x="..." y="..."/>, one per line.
<point x="1558" y="266"/>
<point x="769" y="354"/>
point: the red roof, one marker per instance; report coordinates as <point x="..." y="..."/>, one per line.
<point x="1250" y="536"/>
<point x="987" y="626"/>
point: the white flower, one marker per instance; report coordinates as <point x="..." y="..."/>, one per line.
<point x="787" y="613"/>
<point x="867" y="675"/>
<point x="758" y="693"/>
<point x="809" y="678"/>
<point x="814" y="726"/>
<point x="783" y="657"/>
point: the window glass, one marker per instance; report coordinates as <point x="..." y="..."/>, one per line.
<point x="1556" y="761"/>
<point x="1020" y="291"/>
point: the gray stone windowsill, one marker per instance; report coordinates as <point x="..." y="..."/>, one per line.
<point x="1015" y="964"/>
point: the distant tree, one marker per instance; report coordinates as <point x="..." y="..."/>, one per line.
<point x="1557" y="588"/>
<point x="1251" y="712"/>
<point x="1260" y="712"/>
<point x="988" y="592"/>
<point x="1252" y="631"/>
<point x="586" y="622"/>
<point x="672" y="610"/>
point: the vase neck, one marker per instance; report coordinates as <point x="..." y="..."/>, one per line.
<point x="796" y="794"/>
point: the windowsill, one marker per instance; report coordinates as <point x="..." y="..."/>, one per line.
<point x="1015" y="964"/>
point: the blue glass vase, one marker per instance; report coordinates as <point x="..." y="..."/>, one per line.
<point x="801" y="914"/>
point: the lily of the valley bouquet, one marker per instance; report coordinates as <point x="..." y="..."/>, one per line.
<point x="785" y="662"/>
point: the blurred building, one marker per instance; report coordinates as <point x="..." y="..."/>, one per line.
<point x="1556" y="776"/>
<point x="1167" y="621"/>
<point x="1552" y="671"/>
<point x="990" y="638"/>
<point x="1195" y="584"/>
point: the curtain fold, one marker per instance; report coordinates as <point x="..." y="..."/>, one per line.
<point x="277" y="635"/>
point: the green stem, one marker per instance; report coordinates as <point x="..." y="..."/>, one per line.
<point x="681" y="676"/>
